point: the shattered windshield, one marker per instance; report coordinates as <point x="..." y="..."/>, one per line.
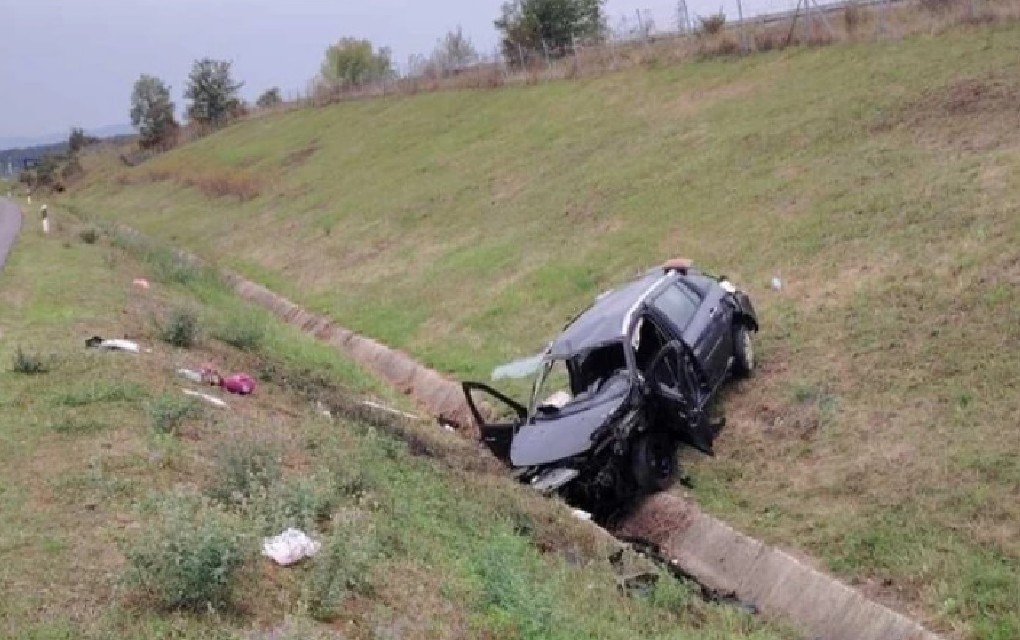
<point x="565" y="382"/>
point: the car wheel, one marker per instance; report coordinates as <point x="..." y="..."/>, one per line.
<point x="743" y="352"/>
<point x="654" y="462"/>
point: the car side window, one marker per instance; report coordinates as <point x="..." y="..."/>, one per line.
<point x="677" y="305"/>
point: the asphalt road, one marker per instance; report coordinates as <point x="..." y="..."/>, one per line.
<point x="10" y="225"/>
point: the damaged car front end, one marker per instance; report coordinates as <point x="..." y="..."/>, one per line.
<point x="625" y="383"/>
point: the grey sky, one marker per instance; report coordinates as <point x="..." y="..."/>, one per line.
<point x="73" y="62"/>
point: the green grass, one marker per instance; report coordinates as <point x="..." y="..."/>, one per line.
<point x="878" y="180"/>
<point x="109" y="528"/>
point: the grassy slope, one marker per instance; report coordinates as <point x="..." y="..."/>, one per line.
<point x="880" y="181"/>
<point x="85" y="480"/>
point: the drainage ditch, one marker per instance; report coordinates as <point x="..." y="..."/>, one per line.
<point x="730" y="566"/>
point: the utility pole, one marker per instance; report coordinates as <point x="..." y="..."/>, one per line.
<point x="683" y="19"/>
<point x="740" y="26"/>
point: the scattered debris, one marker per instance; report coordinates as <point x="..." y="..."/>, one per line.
<point x="190" y="374"/>
<point x="213" y="400"/>
<point x="96" y="342"/>
<point x="141" y="283"/>
<point x="289" y="547"/>
<point x="403" y="414"/>
<point x="777" y="284"/>
<point x="581" y="515"/>
<point x="238" y="383"/>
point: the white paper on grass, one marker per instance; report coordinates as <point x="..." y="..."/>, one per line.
<point x="289" y="547"/>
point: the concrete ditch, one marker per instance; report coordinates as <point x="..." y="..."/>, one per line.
<point x="720" y="558"/>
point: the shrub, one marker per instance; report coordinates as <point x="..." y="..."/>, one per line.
<point x="938" y="7"/>
<point x="181" y="329"/>
<point x="169" y="412"/>
<point x="244" y="331"/>
<point x="341" y="568"/>
<point x="188" y="560"/>
<point x="244" y="468"/>
<point x="712" y="24"/>
<point x="88" y="236"/>
<point x="28" y="363"/>
<point x="853" y="17"/>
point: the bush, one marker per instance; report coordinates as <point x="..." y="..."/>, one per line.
<point x="302" y="503"/>
<point x="188" y="560"/>
<point x="243" y="469"/>
<point x="242" y="331"/>
<point x="88" y="236"/>
<point x="713" y="24"/>
<point x="28" y="363"/>
<point x="181" y="329"/>
<point x="341" y="568"/>
<point x="169" y="412"/>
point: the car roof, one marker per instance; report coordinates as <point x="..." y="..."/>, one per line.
<point x="606" y="320"/>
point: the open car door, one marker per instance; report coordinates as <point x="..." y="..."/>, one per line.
<point x="498" y="417"/>
<point x="678" y="385"/>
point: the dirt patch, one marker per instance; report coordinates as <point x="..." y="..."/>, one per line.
<point x="299" y="157"/>
<point x="971" y="114"/>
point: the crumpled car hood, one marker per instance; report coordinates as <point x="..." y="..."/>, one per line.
<point x="548" y="440"/>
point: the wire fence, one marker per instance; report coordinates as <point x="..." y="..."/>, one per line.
<point x="657" y="37"/>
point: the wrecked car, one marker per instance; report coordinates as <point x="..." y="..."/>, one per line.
<point x="627" y="382"/>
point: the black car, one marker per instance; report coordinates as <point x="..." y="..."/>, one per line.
<point x="625" y="383"/>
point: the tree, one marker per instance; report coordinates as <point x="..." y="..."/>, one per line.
<point x="354" y="63"/>
<point x="269" y="98"/>
<point x="212" y="91"/>
<point x="548" y="25"/>
<point x="78" y="140"/>
<point x="454" y="52"/>
<point x="152" y="112"/>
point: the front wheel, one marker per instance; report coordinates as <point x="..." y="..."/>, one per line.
<point x="653" y="461"/>
<point x="743" y="352"/>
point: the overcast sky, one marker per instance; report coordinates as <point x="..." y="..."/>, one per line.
<point x="73" y="62"/>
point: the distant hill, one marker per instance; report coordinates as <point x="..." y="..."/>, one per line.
<point x="12" y="159"/>
<point x="23" y="142"/>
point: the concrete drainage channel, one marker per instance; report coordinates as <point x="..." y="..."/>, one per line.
<point x="704" y="548"/>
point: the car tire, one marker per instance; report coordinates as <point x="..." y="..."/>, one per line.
<point x="743" y="352"/>
<point x="653" y="461"/>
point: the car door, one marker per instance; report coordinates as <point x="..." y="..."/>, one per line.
<point x="497" y="416"/>
<point x="679" y="393"/>
<point x="709" y="334"/>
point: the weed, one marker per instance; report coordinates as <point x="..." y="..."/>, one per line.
<point x="303" y="503"/>
<point x="88" y="236"/>
<point x="28" y="363"/>
<point x="341" y="568"/>
<point x="180" y="329"/>
<point x="79" y="426"/>
<point x="168" y="412"/>
<point x="243" y="469"/>
<point x="188" y="560"/>
<point x="99" y="392"/>
<point x="511" y="599"/>
<point x="244" y="331"/>
<point x="712" y="24"/>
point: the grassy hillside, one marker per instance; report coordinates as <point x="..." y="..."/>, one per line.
<point x="879" y="181"/>
<point x="126" y="511"/>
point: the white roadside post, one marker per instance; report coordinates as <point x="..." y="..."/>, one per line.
<point x="44" y="212"/>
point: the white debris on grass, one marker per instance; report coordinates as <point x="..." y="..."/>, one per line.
<point x="375" y="405"/>
<point x="213" y="400"/>
<point x="289" y="547"/>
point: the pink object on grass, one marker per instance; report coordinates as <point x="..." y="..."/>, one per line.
<point x="239" y="383"/>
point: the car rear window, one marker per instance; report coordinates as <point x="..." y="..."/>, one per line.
<point x="677" y="305"/>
